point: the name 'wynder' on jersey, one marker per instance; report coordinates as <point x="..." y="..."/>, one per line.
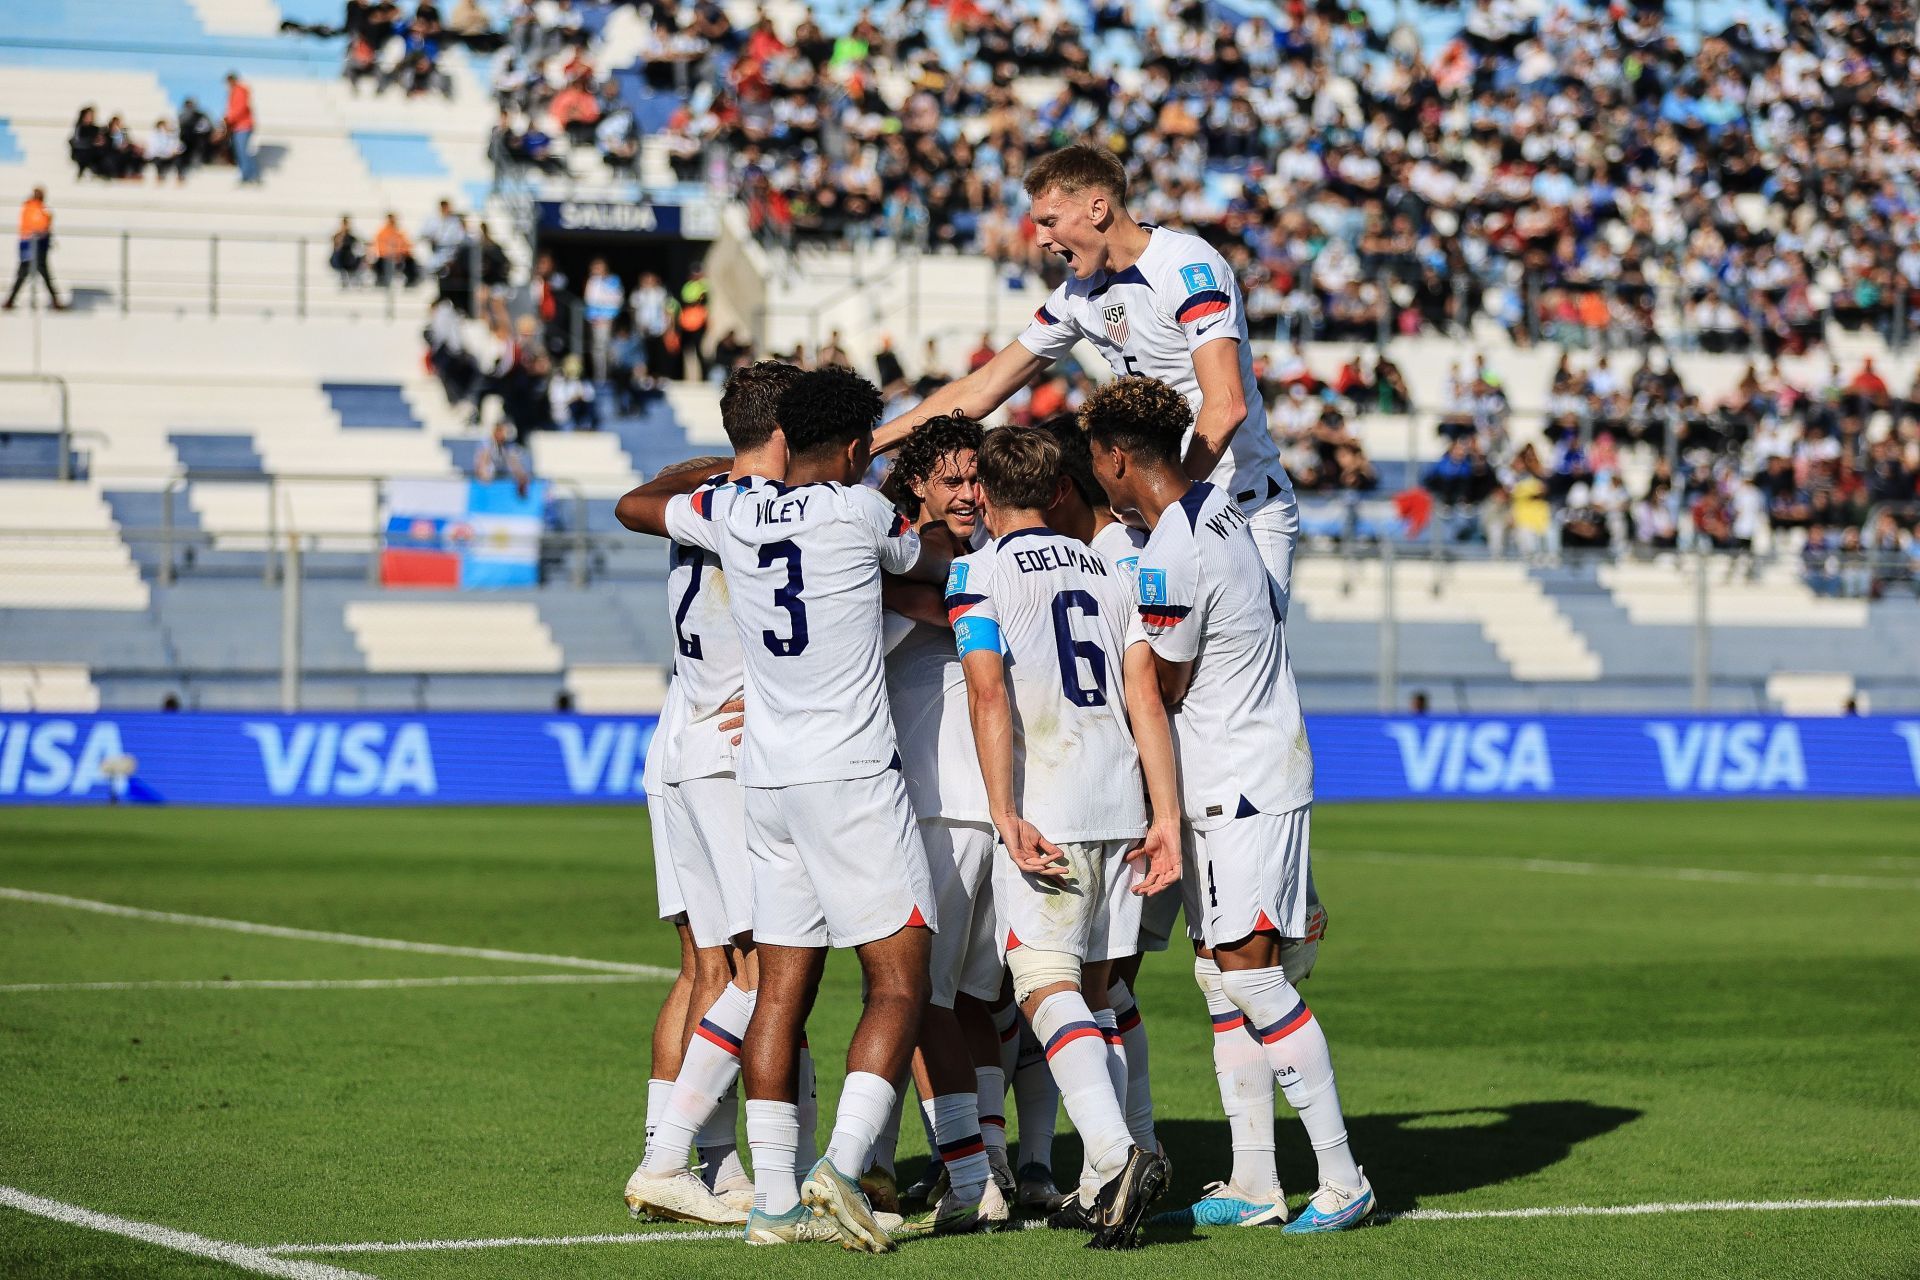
<point x="803" y="568"/>
<point x="1239" y="734"/>
<point x="1059" y="612"/>
<point x="1148" y="320"/>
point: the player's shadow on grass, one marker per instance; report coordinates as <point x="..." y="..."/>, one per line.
<point x="1409" y="1155"/>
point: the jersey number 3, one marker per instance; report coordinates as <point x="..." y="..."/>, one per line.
<point x="1072" y="651"/>
<point x="788" y="598"/>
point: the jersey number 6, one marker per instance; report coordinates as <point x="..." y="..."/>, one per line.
<point x="1071" y="651"/>
<point x="788" y="598"/>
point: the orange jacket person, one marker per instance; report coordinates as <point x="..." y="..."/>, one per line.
<point x="36" y="237"/>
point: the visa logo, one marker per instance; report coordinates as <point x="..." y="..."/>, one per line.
<point x="334" y="758"/>
<point x="49" y="757"/>
<point x="1741" y="755"/>
<point x="1910" y="730"/>
<point x="610" y="760"/>
<point x="1474" y="758"/>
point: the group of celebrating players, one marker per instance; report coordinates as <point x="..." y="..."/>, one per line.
<point x="1001" y="793"/>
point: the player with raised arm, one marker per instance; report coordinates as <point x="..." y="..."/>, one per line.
<point x="837" y="859"/>
<point x="1156" y="302"/>
<point x="703" y="814"/>
<point x="1040" y="622"/>
<point x="1215" y="624"/>
<point x="957" y="1064"/>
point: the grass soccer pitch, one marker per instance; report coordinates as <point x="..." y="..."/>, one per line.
<point x="1572" y="1039"/>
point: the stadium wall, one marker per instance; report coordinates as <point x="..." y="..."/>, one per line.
<point x="450" y="758"/>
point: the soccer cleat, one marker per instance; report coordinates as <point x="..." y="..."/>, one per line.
<point x="994" y="1211"/>
<point x="882" y="1191"/>
<point x="1334" y="1209"/>
<point x="834" y="1196"/>
<point x="1225" y="1205"/>
<point x="1036" y="1193"/>
<point x="1124" y="1201"/>
<point x="1072" y="1214"/>
<point x="679" y="1196"/>
<point x="952" y="1217"/>
<point x="736" y="1191"/>
<point x="795" y="1226"/>
<point x="1002" y="1173"/>
<point x="929" y="1187"/>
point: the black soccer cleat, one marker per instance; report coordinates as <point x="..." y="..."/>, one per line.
<point x="1123" y="1203"/>
<point x="1071" y="1215"/>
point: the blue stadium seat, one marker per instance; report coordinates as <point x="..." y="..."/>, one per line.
<point x="216" y="452"/>
<point x="30" y="455"/>
<point x="370" y="404"/>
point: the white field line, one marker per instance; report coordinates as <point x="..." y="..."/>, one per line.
<point x="245" y="1257"/>
<point x="335" y="984"/>
<point x="1411" y="1215"/>
<point x="344" y="939"/>
<point x="1700" y="875"/>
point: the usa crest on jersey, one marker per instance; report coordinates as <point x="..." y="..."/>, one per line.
<point x="1115" y="316"/>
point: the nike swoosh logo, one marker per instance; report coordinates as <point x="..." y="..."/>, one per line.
<point x="1203" y="328"/>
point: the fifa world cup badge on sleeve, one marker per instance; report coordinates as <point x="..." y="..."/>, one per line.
<point x="956" y="577"/>
<point x="1153" y="586"/>
<point x="1197" y="276"/>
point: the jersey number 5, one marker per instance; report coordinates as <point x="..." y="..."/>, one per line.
<point x="1072" y="651"/>
<point x="788" y="598"/>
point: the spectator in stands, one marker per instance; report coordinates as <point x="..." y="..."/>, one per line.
<point x="604" y="297"/>
<point x="120" y="155"/>
<point x="730" y="353"/>
<point x="523" y="391"/>
<point x="503" y="459"/>
<point x="240" y="122"/>
<point x="196" y="135"/>
<point x="346" y="257"/>
<point x="571" y="398"/>
<point x="653" y="320"/>
<point x="86" y="145"/>
<point x="445" y="234"/>
<point x="36" y="240"/>
<point x="361" y="62"/>
<point x="692" y="320"/>
<point x="575" y="111"/>
<point x="165" y="151"/>
<point x="617" y="135"/>
<point x="393" y="253"/>
<point x="452" y="363"/>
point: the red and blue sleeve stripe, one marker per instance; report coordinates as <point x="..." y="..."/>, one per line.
<point x="1044" y="316"/>
<point x="900" y="525"/>
<point x="718" y="1035"/>
<point x="1198" y="306"/>
<point x="1074" y="1031"/>
<point x="703" y="502"/>
<point x="1231" y="1020"/>
<point x="959" y="602"/>
<point x="1164" y="615"/>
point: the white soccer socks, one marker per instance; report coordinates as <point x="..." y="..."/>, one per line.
<point x="718" y="1142"/>
<point x="865" y="1102"/>
<point x="773" y="1132"/>
<point x="955" y="1118"/>
<point x="1296" y="1050"/>
<point x="659" y="1092"/>
<point x="1246" y="1087"/>
<point x="710" y="1068"/>
<point x="1076" y="1050"/>
<point x="1139" y="1095"/>
<point x="990" y="1104"/>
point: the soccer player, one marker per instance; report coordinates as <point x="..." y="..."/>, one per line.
<point x="957" y="1065"/>
<point x="1155" y="302"/>
<point x="703" y="812"/>
<point x="1040" y="623"/>
<point x="837" y="858"/>
<point x="1214" y="622"/>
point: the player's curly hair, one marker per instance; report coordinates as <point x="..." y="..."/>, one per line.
<point x="827" y="408"/>
<point x="1020" y="470"/>
<point x="1141" y="415"/>
<point x="1076" y="458"/>
<point x="750" y="406"/>
<point x="1073" y="169"/>
<point x="937" y="438"/>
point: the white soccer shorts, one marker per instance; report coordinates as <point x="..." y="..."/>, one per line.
<point x="836" y="864"/>
<point x="966" y="954"/>
<point x="707" y="841"/>
<point x="1094" y="915"/>
<point x="665" y="884"/>
<point x="1252" y="874"/>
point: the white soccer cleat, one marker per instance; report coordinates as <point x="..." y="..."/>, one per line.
<point x="679" y="1197"/>
<point x="736" y="1191"/>
<point x="994" y="1209"/>
<point x="797" y="1225"/>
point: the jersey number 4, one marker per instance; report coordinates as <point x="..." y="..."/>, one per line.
<point x="788" y="598"/>
<point x="1072" y="652"/>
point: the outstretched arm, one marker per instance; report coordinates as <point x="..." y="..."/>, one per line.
<point x="1222" y="405"/>
<point x="644" y="510"/>
<point x="977" y="394"/>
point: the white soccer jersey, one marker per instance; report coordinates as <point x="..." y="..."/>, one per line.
<point x="1149" y="319"/>
<point x="706" y="665"/>
<point x="928" y="693"/>
<point x="1059" y="613"/>
<point x="1206" y="597"/>
<point x="1120" y="544"/>
<point x="803" y="569"/>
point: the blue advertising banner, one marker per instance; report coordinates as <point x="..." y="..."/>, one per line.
<point x="458" y="758"/>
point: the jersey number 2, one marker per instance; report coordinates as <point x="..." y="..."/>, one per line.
<point x="788" y="598"/>
<point x="1071" y="651"/>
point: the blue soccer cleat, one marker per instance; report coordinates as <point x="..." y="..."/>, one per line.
<point x="1334" y="1209"/>
<point x="1225" y="1205"/>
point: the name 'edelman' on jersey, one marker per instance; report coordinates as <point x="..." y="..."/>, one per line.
<point x="1205" y="598"/>
<point x="1059" y="612"/>
<point x="1149" y="319"/>
<point x="707" y="671"/>
<point x="803" y="568"/>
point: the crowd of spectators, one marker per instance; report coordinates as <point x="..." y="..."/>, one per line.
<point x="117" y="152"/>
